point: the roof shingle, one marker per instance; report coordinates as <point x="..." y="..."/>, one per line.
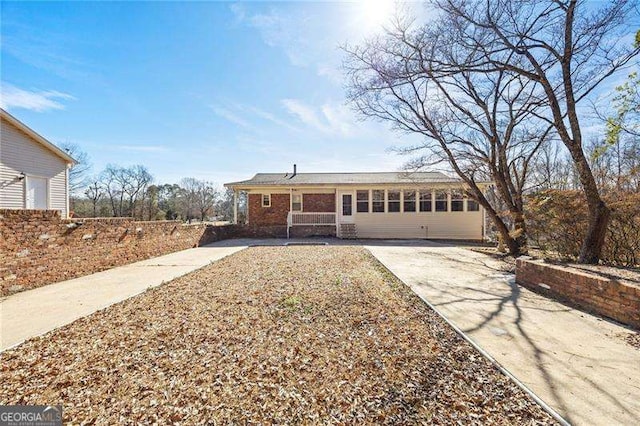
<point x="381" y="178"/>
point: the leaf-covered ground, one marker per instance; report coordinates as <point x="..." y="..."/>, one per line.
<point x="268" y="335"/>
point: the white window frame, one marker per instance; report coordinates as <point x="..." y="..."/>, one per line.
<point x="383" y="201"/>
<point x="268" y="198"/>
<point x="368" y="201"/>
<point x="404" y="200"/>
<point x="440" y="200"/>
<point x="419" y="200"/>
<point x="459" y="192"/>
<point x="293" y="203"/>
<point x="471" y="200"/>
<point x="398" y="201"/>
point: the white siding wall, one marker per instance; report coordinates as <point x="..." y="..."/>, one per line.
<point x="20" y="153"/>
<point x="449" y="225"/>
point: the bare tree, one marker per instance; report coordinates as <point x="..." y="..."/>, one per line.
<point x="126" y="188"/>
<point x="207" y="196"/>
<point x="136" y="180"/>
<point x="483" y="125"/>
<point x="198" y="198"/>
<point x="112" y="183"/>
<point x="567" y="47"/>
<point x="94" y="193"/>
<point x="78" y="174"/>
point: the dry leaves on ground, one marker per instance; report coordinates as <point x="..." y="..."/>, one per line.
<point x="270" y="334"/>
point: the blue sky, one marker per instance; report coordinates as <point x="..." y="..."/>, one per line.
<point x="212" y="90"/>
<point x="217" y="91"/>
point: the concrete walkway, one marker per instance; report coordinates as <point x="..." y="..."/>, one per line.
<point x="34" y="312"/>
<point x="578" y="364"/>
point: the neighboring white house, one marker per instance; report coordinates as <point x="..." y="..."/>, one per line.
<point x="34" y="173"/>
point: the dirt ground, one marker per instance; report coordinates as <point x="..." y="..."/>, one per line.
<point x="270" y="334"/>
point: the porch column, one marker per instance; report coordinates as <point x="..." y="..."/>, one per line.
<point x="235" y="207"/>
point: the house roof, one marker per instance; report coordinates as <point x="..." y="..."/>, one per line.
<point x="320" y="179"/>
<point x="35" y="136"/>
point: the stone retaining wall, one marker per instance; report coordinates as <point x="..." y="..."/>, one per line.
<point x="604" y="296"/>
<point x="37" y="247"/>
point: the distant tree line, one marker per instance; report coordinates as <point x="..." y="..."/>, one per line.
<point x="131" y="191"/>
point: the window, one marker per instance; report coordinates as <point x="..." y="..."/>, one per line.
<point x="472" y="205"/>
<point x="346" y="205"/>
<point x="362" y="201"/>
<point x="393" y="201"/>
<point x="266" y="200"/>
<point x="409" y="201"/>
<point x="425" y="201"/>
<point x="377" y="196"/>
<point x="296" y="202"/>
<point x="457" y="200"/>
<point x="441" y="201"/>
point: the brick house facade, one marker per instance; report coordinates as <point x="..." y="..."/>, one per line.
<point x="360" y="205"/>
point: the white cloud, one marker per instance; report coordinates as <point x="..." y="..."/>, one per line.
<point x="12" y="97"/>
<point x="305" y="113"/>
<point x="329" y="118"/>
<point x="306" y="41"/>
<point x="230" y="116"/>
<point x="247" y="115"/>
<point x="271" y="117"/>
<point x="313" y="39"/>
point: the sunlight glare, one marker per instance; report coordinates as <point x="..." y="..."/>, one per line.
<point x="376" y="13"/>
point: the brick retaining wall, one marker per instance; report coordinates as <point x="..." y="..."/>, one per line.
<point x="604" y="296"/>
<point x="38" y="247"/>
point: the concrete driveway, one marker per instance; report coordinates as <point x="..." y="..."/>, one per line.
<point x="34" y="312"/>
<point x="577" y="363"/>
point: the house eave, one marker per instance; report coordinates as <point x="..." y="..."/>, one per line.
<point x="38" y="138"/>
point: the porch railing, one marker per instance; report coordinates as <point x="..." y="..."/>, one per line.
<point x="310" y="218"/>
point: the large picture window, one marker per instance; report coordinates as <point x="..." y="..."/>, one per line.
<point x="362" y="201"/>
<point x="441" y="201"/>
<point x="393" y="201"/>
<point x="457" y="201"/>
<point x="409" y="201"/>
<point x="425" y="200"/>
<point x="377" y="205"/>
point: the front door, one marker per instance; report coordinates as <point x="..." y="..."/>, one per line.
<point x="345" y="208"/>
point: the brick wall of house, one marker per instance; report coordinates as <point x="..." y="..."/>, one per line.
<point x="607" y="297"/>
<point x="325" y="203"/>
<point x="277" y="213"/>
<point x="38" y="247"/>
<point x="269" y="216"/>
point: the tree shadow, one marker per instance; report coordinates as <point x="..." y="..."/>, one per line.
<point x="513" y="299"/>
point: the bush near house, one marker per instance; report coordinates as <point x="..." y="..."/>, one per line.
<point x="557" y="223"/>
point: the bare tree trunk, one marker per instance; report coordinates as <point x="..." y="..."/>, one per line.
<point x="599" y="213"/>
